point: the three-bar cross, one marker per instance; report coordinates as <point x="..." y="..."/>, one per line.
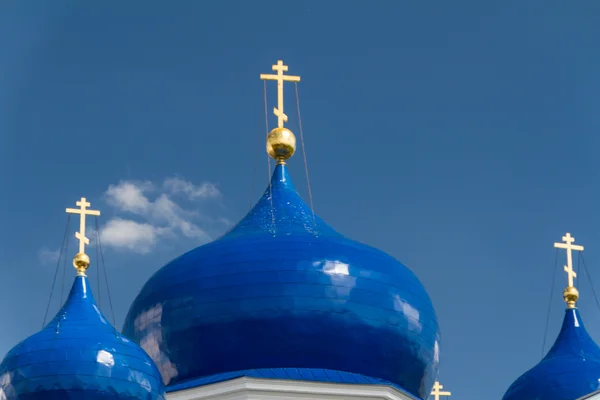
<point x="280" y="77"/>
<point x="569" y="246"/>
<point x="82" y="211"/>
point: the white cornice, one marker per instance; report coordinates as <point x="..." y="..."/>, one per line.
<point x="591" y="396"/>
<point x="258" y="388"/>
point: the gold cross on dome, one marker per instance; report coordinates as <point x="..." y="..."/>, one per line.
<point x="280" y="77"/>
<point x="437" y="391"/>
<point x="82" y="211"/>
<point x="569" y="246"/>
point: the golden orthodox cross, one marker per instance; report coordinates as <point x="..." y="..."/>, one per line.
<point x="437" y="391"/>
<point x="280" y="77"/>
<point x="82" y="211"/>
<point x="569" y="246"/>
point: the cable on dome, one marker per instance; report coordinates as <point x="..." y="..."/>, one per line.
<point x="550" y="303"/>
<point x="251" y="202"/>
<point x="268" y="157"/>
<point x="256" y="158"/>
<point x="62" y="289"/>
<point x="60" y="254"/>
<point x="577" y="269"/>
<point x="304" y="155"/>
<point x="587" y="273"/>
<point x="112" y="311"/>
<point x="98" y="272"/>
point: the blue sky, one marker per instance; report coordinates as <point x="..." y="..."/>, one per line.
<point x="460" y="137"/>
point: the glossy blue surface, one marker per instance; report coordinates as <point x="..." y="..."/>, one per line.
<point x="79" y="356"/>
<point x="284" y="290"/>
<point x="292" y="374"/>
<point x="570" y="370"/>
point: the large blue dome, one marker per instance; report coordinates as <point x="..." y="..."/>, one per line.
<point x="570" y="370"/>
<point x="282" y="289"/>
<point x="79" y="356"/>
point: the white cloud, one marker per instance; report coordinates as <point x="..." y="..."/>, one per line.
<point x="129" y="196"/>
<point x="205" y="190"/>
<point x="48" y="256"/>
<point x="157" y="215"/>
<point x="130" y="235"/>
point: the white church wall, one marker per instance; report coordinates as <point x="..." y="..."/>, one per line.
<point x="267" y="389"/>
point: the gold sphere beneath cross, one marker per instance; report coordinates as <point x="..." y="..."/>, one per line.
<point x="571" y="294"/>
<point x="81" y="262"/>
<point x="281" y="144"/>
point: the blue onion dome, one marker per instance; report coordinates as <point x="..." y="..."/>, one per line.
<point x="284" y="290"/>
<point x="79" y="355"/>
<point x="571" y="369"/>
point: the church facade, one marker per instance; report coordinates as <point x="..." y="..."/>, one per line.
<point x="280" y="307"/>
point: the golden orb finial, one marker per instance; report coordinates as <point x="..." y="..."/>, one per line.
<point x="81" y="262"/>
<point x="571" y="295"/>
<point x="281" y="144"/>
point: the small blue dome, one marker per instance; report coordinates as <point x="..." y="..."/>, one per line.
<point x="570" y="370"/>
<point x="282" y="289"/>
<point x="79" y="355"/>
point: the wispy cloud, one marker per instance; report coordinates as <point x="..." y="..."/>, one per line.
<point x="47" y="256"/>
<point x="147" y="213"/>
<point x="202" y="191"/>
